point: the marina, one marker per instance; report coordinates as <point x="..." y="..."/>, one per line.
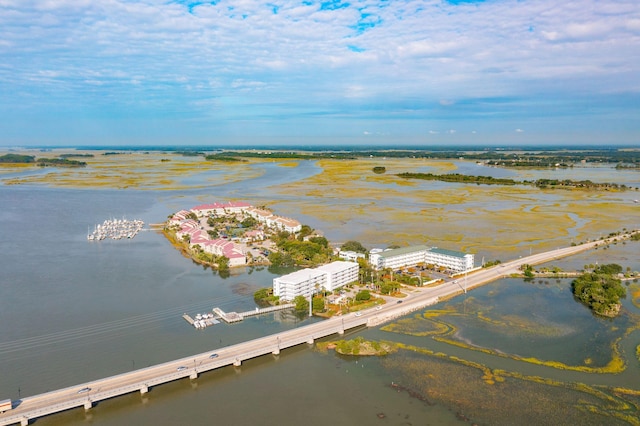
<point x="205" y="320"/>
<point x="115" y="229"/>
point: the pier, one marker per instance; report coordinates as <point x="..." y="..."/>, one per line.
<point x="208" y="319"/>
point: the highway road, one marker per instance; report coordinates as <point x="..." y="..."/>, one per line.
<point x="86" y="394"/>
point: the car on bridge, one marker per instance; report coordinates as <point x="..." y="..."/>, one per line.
<point x="213" y="356"/>
<point x="84" y="390"/>
<point x="181" y="368"/>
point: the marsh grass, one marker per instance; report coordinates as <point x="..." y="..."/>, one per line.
<point x="499" y="397"/>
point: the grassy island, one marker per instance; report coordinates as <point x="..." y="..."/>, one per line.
<point x="361" y="347"/>
<point x="540" y="183"/>
<point x="60" y="162"/>
<point x="17" y="159"/>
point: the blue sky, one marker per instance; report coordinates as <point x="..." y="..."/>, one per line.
<point x="310" y="72"/>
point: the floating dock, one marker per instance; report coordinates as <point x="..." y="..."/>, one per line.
<point x="209" y="319"/>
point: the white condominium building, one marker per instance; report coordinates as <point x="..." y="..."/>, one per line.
<point x="398" y="258"/>
<point x="453" y="260"/>
<point x="340" y="273"/>
<point x="411" y="256"/>
<point x="308" y="281"/>
<point x="300" y="283"/>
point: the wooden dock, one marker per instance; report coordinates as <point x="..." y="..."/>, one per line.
<point x="231" y="317"/>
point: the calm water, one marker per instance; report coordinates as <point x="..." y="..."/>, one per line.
<point x="74" y="311"/>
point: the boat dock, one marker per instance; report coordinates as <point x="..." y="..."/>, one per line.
<point x="115" y="229"/>
<point x="208" y="319"/>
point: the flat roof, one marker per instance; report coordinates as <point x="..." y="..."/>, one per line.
<point x="402" y="250"/>
<point x="337" y="266"/>
<point x="448" y="252"/>
<point x="301" y="275"/>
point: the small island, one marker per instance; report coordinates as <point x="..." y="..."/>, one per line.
<point x="361" y="347"/>
<point x="600" y="290"/>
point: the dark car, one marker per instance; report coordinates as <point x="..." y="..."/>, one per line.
<point x="213" y="356"/>
<point x="399" y="301"/>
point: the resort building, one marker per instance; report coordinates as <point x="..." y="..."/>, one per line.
<point x="287" y="224"/>
<point x="351" y="256"/>
<point x="397" y="258"/>
<point x="220" y="209"/>
<point x="309" y="281"/>
<point x="454" y="261"/>
<point x="179" y="217"/>
<point x="271" y="220"/>
<point x="226" y="248"/>
<point x="300" y="283"/>
<point x="339" y="273"/>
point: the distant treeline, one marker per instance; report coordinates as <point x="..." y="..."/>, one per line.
<point x="17" y="158"/>
<point x="190" y="153"/>
<point x="227" y="155"/>
<point x="547" y="158"/>
<point x="60" y="162"/>
<point x="540" y="183"/>
<point x="456" y="177"/>
<point x="76" y="155"/>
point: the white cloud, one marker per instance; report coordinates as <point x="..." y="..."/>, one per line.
<point x="405" y="57"/>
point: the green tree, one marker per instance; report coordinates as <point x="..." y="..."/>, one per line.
<point x="301" y="304"/>
<point x="363" y="295"/>
<point x="318" y="304"/>
<point x="249" y="222"/>
<point x="305" y="230"/>
<point x="353" y="246"/>
<point x="600" y="291"/>
<point x="320" y="240"/>
<point x="262" y="294"/>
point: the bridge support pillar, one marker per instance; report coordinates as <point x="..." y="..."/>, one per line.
<point x="24" y="421"/>
<point x="341" y="331"/>
<point x="87" y="405"/>
<point x="310" y="341"/>
<point x="276" y="352"/>
<point x="193" y="375"/>
<point x="144" y="389"/>
<point x="237" y="363"/>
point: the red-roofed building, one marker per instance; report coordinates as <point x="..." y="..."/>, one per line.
<point x="177" y="218"/>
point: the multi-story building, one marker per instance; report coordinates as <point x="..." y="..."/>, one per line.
<point x="453" y="260"/>
<point x="339" y="273"/>
<point x="411" y="256"/>
<point x="397" y="258"/>
<point x="309" y="281"/>
<point x="304" y="283"/>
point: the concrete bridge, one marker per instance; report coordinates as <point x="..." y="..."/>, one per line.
<point x="142" y="380"/>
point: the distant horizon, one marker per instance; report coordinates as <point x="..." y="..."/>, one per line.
<point x="330" y="147"/>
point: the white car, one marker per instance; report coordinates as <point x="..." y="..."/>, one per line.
<point x="358" y="314"/>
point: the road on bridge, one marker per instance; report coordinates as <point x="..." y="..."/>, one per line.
<point x="141" y="380"/>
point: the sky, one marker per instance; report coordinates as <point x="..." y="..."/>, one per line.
<point x="245" y="72"/>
